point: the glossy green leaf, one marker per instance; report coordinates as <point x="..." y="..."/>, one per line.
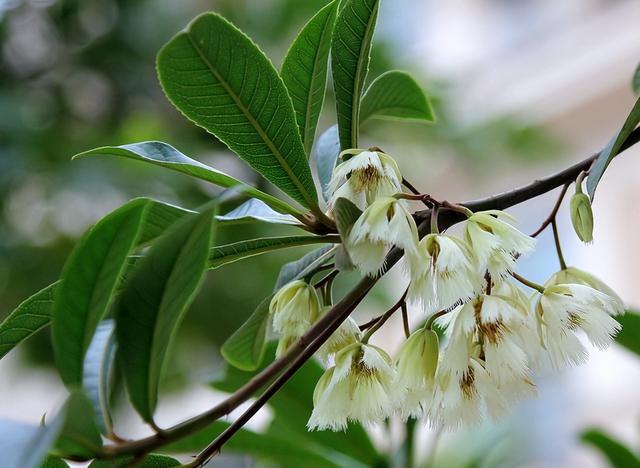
<point x="155" y="297"/>
<point x="613" y="148"/>
<point x="229" y="253"/>
<point x="396" y="95"/>
<point x="256" y="210"/>
<point x="629" y="336"/>
<point x="618" y="455"/>
<point x="219" y="79"/>
<point x="98" y="373"/>
<point x="150" y="461"/>
<point x="164" y="155"/>
<point x="30" y="316"/>
<point x="292" y="406"/>
<point x="350" y="50"/>
<point x="89" y="280"/>
<point x="635" y="82"/>
<point x="26" y="446"/>
<point x="245" y="348"/>
<point x="326" y="154"/>
<point x="304" y="71"/>
<point x="303" y="266"/>
<point x="80" y="436"/>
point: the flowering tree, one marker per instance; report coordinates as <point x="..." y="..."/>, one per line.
<point x="484" y="329"/>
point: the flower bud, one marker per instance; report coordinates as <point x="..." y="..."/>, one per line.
<point x="294" y="308"/>
<point x="582" y="216"/>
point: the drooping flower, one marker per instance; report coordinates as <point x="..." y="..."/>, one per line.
<point x="564" y="309"/>
<point x="571" y="275"/>
<point x="443" y="272"/>
<point x="294" y="308"/>
<point x="347" y="334"/>
<point x="495" y="242"/>
<point x="416" y="367"/>
<point x="365" y="177"/>
<point x="387" y="222"/>
<point x="359" y="387"/>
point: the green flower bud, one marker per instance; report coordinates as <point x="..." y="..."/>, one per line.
<point x="582" y="216"/>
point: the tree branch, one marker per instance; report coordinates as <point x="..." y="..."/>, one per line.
<point x="309" y="343"/>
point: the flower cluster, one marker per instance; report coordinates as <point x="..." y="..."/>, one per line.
<point x="494" y="336"/>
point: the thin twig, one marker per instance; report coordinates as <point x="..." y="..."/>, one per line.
<point x="410" y="186"/>
<point x="405" y="320"/>
<point x="381" y="321"/>
<point x="554" y="211"/>
<point x="556" y="239"/>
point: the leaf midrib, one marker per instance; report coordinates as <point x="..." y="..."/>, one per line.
<point x="274" y="150"/>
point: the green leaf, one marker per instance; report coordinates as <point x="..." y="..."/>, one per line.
<point x="80" y="436"/>
<point x="616" y="453"/>
<point x="303" y="266"/>
<point x="150" y="461"/>
<point x="26" y="446"/>
<point x="396" y="95"/>
<point x="350" y="50"/>
<point x="346" y="214"/>
<point x="613" y="148"/>
<point x="304" y="71"/>
<point x="164" y="155"/>
<point x="256" y="210"/>
<point x="54" y="462"/>
<point x="155" y="297"/>
<point x="326" y="154"/>
<point x="158" y="218"/>
<point x="635" y="82"/>
<point x="229" y="253"/>
<point x="219" y="79"/>
<point x="292" y="406"/>
<point x="629" y="336"/>
<point x="245" y="348"/>
<point x="29" y="317"/>
<point x="98" y="373"/>
<point x="88" y="283"/>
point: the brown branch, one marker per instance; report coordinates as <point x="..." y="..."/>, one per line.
<point x="306" y="346"/>
<point x="554" y="211"/>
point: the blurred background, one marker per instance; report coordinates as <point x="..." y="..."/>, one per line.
<point x="521" y="89"/>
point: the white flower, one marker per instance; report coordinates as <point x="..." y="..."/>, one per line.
<point x="564" y="309"/>
<point x="347" y="333"/>
<point x="495" y="242"/>
<point x="387" y="222"/>
<point x="442" y="272"/>
<point x="573" y="275"/>
<point x="294" y="308"/>
<point x="416" y="367"/>
<point x="358" y="388"/>
<point x="365" y="177"/>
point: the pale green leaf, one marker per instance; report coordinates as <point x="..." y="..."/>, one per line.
<point x="219" y="79"/>
<point x="223" y="254"/>
<point x="304" y="71"/>
<point x="155" y="297"/>
<point x="350" y="51"/>
<point x="26" y="446"/>
<point x="326" y="154"/>
<point x="164" y="155"/>
<point x="396" y="95"/>
<point x="303" y="266"/>
<point x="256" y="210"/>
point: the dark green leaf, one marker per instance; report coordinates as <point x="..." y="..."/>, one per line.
<point x="396" y="95"/>
<point x="164" y="155"/>
<point x="292" y="406"/>
<point x="616" y="453"/>
<point x="245" y="348"/>
<point x="635" y="82"/>
<point x="89" y="280"/>
<point x="254" y="209"/>
<point x="350" y="49"/>
<point x="613" y="148"/>
<point x="80" y="436"/>
<point x="304" y="71"/>
<point x="155" y="297"/>
<point x="98" y="373"/>
<point x="158" y="218"/>
<point x="150" y="461"/>
<point x="32" y="315"/>
<point x="249" y="248"/>
<point x="26" y="446"/>
<point x="629" y="336"/>
<point x="346" y="214"/>
<point x="303" y="266"/>
<point x="326" y="154"/>
<point x="219" y="79"/>
<point x="54" y="462"/>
